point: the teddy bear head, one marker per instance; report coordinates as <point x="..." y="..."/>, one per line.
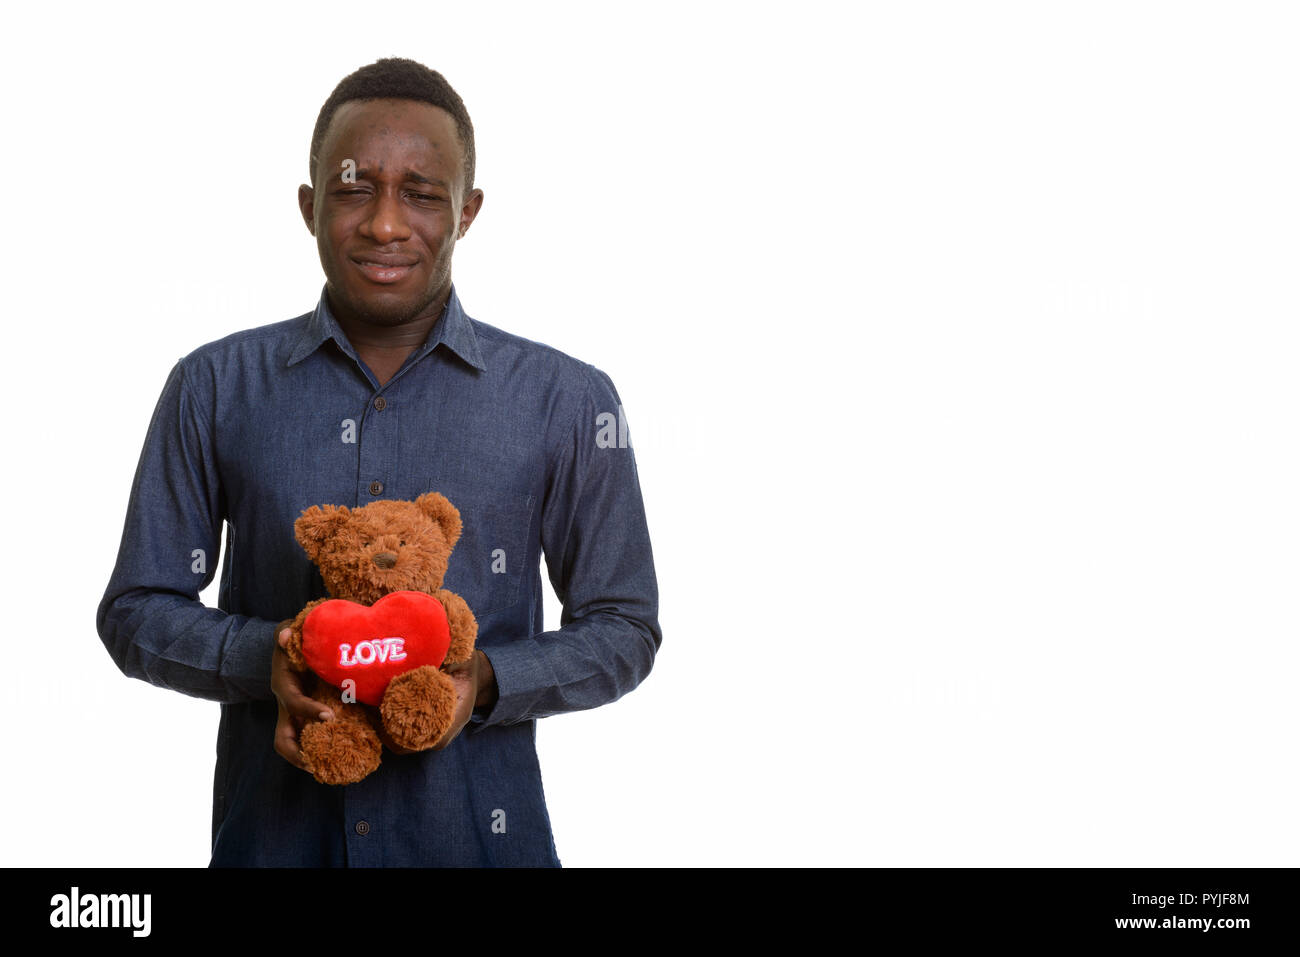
<point x="386" y="546"/>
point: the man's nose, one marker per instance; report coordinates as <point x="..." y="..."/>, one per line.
<point x="388" y="221"/>
<point x="385" y="559"/>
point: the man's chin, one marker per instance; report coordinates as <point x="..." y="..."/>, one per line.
<point x="382" y="307"/>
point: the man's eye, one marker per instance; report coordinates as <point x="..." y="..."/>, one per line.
<point x="425" y="196"/>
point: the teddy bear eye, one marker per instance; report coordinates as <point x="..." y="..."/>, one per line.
<point x="402" y="542"/>
<point x="366" y="543"/>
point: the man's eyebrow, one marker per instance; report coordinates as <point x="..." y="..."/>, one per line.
<point x="410" y="174"/>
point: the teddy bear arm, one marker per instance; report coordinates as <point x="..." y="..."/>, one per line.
<point x="418" y="708"/>
<point x="294" y="648"/>
<point x="461" y="624"/>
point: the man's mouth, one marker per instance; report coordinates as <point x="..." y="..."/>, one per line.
<point x="384" y="269"/>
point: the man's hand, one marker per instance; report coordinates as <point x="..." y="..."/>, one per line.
<point x="474" y="683"/>
<point x="467" y="677"/>
<point x="295" y="707"/>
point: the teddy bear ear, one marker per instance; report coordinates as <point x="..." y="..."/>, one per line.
<point x="441" y="512"/>
<point x="316" y="524"/>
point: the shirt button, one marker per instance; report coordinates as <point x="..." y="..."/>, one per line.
<point x="380" y="403"/>
<point x="363" y="828"/>
<point x="376" y="488"/>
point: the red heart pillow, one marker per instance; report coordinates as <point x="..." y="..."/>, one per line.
<point x="373" y="644"/>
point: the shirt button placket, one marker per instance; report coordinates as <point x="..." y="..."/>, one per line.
<point x="375" y="458"/>
<point x="363" y="803"/>
<point x="362" y="818"/>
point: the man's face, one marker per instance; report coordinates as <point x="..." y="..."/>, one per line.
<point x="386" y="239"/>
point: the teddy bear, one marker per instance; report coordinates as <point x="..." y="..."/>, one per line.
<point x="377" y="645"/>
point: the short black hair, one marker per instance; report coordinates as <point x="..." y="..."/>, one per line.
<point x="399" y="79"/>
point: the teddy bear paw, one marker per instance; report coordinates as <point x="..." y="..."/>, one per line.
<point x="417" y="708"/>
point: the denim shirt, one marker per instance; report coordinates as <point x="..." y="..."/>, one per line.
<point x="528" y="443"/>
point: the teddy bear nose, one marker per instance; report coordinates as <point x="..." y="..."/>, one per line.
<point x="385" y="559"/>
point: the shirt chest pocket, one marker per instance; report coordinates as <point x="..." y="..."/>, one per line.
<point x="486" y="566"/>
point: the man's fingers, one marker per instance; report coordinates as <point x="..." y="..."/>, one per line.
<point x="462" y="679"/>
<point x="295" y="709"/>
<point x="286" y="740"/>
<point x="286" y="745"/>
<point x="287" y="686"/>
<point x="302" y="708"/>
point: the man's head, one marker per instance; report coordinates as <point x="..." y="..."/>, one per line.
<point x="392" y="170"/>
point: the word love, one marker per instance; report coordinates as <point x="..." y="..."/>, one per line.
<point x="375" y="650"/>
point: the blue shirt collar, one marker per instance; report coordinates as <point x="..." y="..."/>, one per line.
<point x="453" y="330"/>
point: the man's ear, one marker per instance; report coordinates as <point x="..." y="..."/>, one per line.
<point x="317" y="524"/>
<point x="469" y="212"/>
<point x="441" y="512"/>
<point x="306" y="206"/>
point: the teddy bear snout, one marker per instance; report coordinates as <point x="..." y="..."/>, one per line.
<point x="385" y="559"/>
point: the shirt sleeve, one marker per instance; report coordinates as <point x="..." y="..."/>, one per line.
<point x="150" y="619"/>
<point x="597" y="548"/>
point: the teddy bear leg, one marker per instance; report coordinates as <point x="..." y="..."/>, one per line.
<point x="417" y="707"/>
<point x="344" y="750"/>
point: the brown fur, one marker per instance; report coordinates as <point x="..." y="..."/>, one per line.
<point x="463" y="626"/>
<point x="418" y="707"/>
<point x="344" y="750"/>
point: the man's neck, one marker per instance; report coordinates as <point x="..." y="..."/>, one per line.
<point x="385" y="348"/>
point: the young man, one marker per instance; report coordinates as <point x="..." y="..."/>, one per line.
<point x="387" y="389"/>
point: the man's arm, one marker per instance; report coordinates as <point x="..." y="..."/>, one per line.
<point x="597" y="548"/>
<point x="150" y="619"/>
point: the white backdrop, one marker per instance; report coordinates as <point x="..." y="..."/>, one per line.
<point x="958" y="343"/>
